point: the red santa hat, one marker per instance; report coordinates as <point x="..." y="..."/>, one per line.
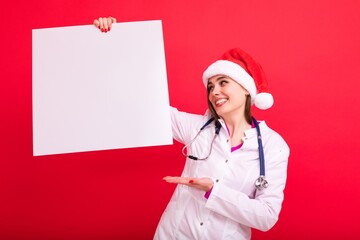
<point x="242" y="68"/>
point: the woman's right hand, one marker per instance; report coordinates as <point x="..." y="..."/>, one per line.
<point x="104" y="23"/>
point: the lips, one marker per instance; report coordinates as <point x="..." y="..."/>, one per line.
<point x="221" y="102"/>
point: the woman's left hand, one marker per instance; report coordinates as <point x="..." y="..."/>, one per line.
<point x="104" y="23"/>
<point x="204" y="184"/>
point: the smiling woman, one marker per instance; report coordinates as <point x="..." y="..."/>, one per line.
<point x="220" y="194"/>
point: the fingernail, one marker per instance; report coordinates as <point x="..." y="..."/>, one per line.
<point x="109" y="29"/>
<point x="191" y="181"/>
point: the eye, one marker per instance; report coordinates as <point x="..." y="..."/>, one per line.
<point x="223" y="82"/>
<point x="210" y="88"/>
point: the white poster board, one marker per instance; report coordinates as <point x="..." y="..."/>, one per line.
<point x="98" y="91"/>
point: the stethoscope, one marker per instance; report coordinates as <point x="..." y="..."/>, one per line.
<point x="260" y="182"/>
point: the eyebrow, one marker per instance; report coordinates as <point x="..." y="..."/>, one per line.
<point x="217" y="79"/>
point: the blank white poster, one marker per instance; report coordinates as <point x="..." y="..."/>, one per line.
<point x="99" y="91"/>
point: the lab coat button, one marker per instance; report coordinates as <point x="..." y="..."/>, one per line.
<point x="226" y="161"/>
<point x="217" y="180"/>
<point x="201" y="223"/>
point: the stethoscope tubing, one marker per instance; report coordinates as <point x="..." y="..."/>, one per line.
<point x="261" y="182"/>
<point x="261" y="149"/>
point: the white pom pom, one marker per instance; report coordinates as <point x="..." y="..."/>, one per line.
<point x="264" y="100"/>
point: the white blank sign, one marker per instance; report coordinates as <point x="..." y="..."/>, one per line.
<point x="97" y="91"/>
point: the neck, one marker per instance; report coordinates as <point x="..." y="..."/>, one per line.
<point x="237" y="128"/>
<point x="236" y="125"/>
<point x="236" y="122"/>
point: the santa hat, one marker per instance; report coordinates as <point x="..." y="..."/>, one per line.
<point x="242" y="68"/>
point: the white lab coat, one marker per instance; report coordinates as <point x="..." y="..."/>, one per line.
<point x="234" y="206"/>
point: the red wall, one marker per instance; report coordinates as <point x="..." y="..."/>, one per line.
<point x="310" y="52"/>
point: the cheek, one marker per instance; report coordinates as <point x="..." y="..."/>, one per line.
<point x="239" y="97"/>
<point x="238" y="91"/>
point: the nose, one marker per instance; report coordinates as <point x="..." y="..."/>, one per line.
<point x="216" y="90"/>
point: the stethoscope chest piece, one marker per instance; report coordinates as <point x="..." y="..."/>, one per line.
<point x="261" y="183"/>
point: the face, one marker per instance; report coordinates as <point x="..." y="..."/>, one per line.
<point x="226" y="96"/>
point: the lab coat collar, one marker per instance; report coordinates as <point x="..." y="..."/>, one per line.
<point x="248" y="133"/>
<point x="252" y="131"/>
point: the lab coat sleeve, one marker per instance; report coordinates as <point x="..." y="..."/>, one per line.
<point x="184" y="125"/>
<point x="263" y="210"/>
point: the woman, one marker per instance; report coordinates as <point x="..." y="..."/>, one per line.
<point x="216" y="197"/>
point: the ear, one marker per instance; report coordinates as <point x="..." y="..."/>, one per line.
<point x="245" y="90"/>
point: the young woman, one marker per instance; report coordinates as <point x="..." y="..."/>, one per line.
<point x="224" y="190"/>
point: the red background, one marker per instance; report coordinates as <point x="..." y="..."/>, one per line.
<point x="310" y="52"/>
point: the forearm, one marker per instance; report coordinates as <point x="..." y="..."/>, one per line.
<point x="237" y="206"/>
<point x="260" y="211"/>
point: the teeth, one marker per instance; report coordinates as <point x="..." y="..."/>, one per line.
<point x="220" y="101"/>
